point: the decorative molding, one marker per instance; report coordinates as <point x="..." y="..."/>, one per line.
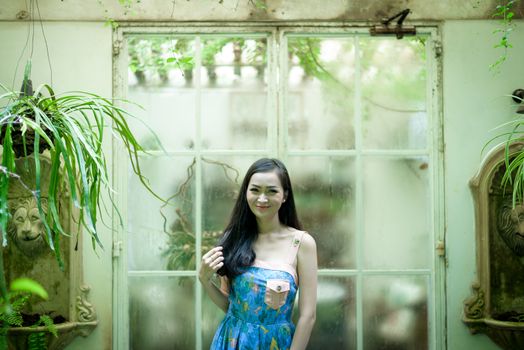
<point x="86" y="310"/>
<point x="496" y="299"/>
<point x="474" y="305"/>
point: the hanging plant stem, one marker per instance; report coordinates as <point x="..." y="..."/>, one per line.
<point x="505" y="12"/>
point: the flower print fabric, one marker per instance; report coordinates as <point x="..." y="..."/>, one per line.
<point x="261" y="302"/>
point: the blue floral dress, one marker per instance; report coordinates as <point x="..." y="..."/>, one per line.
<point x="261" y="302"/>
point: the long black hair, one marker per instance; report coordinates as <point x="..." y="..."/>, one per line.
<point x="242" y="230"/>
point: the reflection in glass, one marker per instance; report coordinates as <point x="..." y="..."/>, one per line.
<point x="395" y="312"/>
<point x="160" y="60"/>
<point x="393" y="80"/>
<point x="162" y="313"/>
<point x="234" y="95"/>
<point x="325" y="197"/>
<point x="149" y="246"/>
<point x="320" y="102"/>
<point x="396" y="213"/>
<point x="335" y="326"/>
<point x="160" y="83"/>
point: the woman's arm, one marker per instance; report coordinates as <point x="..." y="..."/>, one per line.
<point x="211" y="262"/>
<point x="307" y="301"/>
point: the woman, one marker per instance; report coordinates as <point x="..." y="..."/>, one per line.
<point x="260" y="258"/>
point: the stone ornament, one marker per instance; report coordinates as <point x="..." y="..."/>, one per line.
<point x="86" y="311"/>
<point x="510" y="226"/>
<point x="496" y="305"/>
<point x="28" y="254"/>
<point x="25" y="229"/>
<point x="474" y="305"/>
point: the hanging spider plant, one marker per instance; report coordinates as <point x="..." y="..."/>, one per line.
<point x="513" y="141"/>
<point x="71" y="126"/>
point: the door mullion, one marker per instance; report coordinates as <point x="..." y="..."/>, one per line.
<point x="359" y="205"/>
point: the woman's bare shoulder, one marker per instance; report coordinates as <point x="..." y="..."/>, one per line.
<point x="306" y="237"/>
<point x="308" y="242"/>
<point x="307" y="253"/>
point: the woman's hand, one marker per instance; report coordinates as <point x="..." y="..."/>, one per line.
<point x="211" y="262"/>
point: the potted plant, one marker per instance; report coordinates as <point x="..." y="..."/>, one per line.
<point x="513" y="176"/>
<point x="71" y="127"/>
<point x="11" y="314"/>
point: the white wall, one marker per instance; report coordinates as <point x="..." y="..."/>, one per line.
<point x="475" y="101"/>
<point x="81" y="60"/>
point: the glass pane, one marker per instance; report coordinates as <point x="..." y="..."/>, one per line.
<point x="234" y="97"/>
<point x="395" y="312"/>
<point x="160" y="82"/>
<point x="222" y="177"/>
<point x="393" y="83"/>
<point x="335" y="327"/>
<point x="160" y="61"/>
<point x="161" y="313"/>
<point x="324" y="190"/>
<point x="320" y="101"/>
<point x="396" y="213"/>
<point x="150" y="246"/>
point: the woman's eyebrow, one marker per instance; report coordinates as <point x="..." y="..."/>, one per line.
<point x="258" y="186"/>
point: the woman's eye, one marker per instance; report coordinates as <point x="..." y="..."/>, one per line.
<point x="254" y="190"/>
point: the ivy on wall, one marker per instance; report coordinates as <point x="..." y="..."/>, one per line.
<point x="504" y="11"/>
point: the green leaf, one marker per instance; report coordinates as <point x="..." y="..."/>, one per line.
<point x="30" y="286"/>
<point x="48" y="322"/>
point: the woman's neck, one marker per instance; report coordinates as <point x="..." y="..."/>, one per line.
<point x="265" y="227"/>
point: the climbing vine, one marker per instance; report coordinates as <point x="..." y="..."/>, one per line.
<point x="504" y="11"/>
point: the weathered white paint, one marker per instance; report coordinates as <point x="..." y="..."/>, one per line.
<point x="243" y="10"/>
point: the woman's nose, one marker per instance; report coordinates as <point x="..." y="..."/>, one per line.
<point x="26" y="227"/>
<point x="262" y="198"/>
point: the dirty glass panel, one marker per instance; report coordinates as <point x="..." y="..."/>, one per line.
<point x="393" y="81"/>
<point x="335" y="326"/>
<point x="222" y="177"/>
<point x="320" y="102"/>
<point x="151" y="246"/>
<point x="234" y="94"/>
<point x="395" y="312"/>
<point x="160" y="71"/>
<point x="396" y="213"/>
<point x="324" y="189"/>
<point x="162" y="313"/>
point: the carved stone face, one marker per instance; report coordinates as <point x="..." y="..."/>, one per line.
<point x="25" y="228"/>
<point x="510" y="225"/>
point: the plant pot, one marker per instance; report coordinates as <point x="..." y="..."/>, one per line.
<point x="18" y="337"/>
<point x="18" y="144"/>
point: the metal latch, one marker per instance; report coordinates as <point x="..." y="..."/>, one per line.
<point x="440" y="248"/>
<point x="117" y="249"/>
<point x="399" y="30"/>
<point x="117" y="47"/>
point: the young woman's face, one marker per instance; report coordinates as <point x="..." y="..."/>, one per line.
<point x="265" y="194"/>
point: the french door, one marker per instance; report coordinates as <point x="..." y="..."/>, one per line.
<point x="354" y="118"/>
